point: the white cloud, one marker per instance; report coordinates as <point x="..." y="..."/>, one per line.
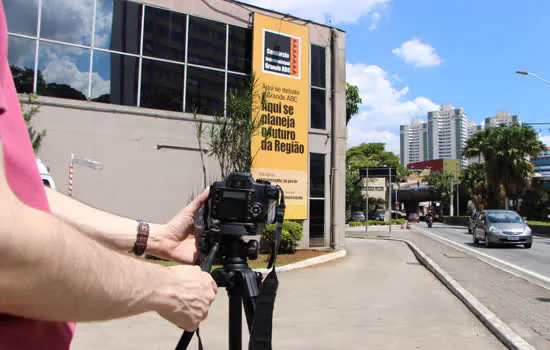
<point x="337" y="11"/>
<point x="384" y="107"/>
<point x="417" y="53"/>
<point x="375" y="19"/>
<point x="545" y="140"/>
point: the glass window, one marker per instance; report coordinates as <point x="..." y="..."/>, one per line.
<point x="318" y="109"/>
<point x="237" y="83"/>
<point x="318" y="66"/>
<point x="21" y="54"/>
<point x="69" y="21"/>
<point x="162" y="85"/>
<point x="164" y="34"/>
<point x="317" y="175"/>
<point x="316" y="218"/>
<point x="22" y="16"/>
<point x="205" y="89"/>
<point x="63" y="71"/>
<point x="114" y="78"/>
<point x="118" y="25"/>
<point x="206" y="42"/>
<point x="240" y="49"/>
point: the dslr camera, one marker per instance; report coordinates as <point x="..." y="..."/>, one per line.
<point x="238" y="205"/>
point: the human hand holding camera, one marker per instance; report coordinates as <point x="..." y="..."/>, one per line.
<point x="178" y="239"/>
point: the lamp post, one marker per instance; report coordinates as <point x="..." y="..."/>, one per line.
<point x="522" y="72"/>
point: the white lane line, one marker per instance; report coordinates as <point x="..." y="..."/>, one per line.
<point x="505" y="263"/>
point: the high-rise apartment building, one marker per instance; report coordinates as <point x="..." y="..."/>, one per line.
<point x="501" y="118"/>
<point x="443" y="137"/>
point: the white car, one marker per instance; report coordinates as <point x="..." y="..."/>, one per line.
<point x="45" y="175"/>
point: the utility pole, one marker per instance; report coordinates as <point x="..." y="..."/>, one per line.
<point x="367" y="203"/>
<point x="389" y="192"/>
<point x="451" y="212"/>
<point x="458" y="199"/>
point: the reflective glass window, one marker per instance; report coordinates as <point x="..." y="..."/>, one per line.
<point x="240" y="50"/>
<point x="206" y="42"/>
<point x="162" y="85"/>
<point x="21" y="53"/>
<point x="318" y="66"/>
<point x="22" y="16"/>
<point x="118" y="25"/>
<point x="164" y="34"/>
<point x="63" y="71"/>
<point x="237" y="83"/>
<point x="205" y="90"/>
<point x="318" y="109"/>
<point x="317" y="175"/>
<point x="114" y="78"/>
<point x="67" y="21"/>
<point x="316" y="218"/>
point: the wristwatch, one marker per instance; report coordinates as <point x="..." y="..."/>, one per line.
<point x="141" y="239"/>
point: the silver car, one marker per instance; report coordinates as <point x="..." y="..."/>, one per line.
<point x="502" y="227"/>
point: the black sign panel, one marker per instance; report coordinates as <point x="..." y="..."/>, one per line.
<point x="378" y="173"/>
<point x="281" y="54"/>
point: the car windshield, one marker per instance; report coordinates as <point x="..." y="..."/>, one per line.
<point x="504" y="217"/>
<point x="413" y="215"/>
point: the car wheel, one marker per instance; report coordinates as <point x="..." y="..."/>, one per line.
<point x="528" y="245"/>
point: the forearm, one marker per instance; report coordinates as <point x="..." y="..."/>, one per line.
<point x="114" y="231"/>
<point x="50" y="271"/>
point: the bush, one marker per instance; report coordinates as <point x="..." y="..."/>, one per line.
<point x="290" y="236"/>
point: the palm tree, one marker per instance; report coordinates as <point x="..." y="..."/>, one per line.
<point x="475" y="178"/>
<point x="506" y="150"/>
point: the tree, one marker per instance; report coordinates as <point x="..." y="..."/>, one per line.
<point x="230" y="136"/>
<point x="475" y="178"/>
<point x="30" y="107"/>
<point x="441" y="183"/>
<point x="363" y="156"/>
<point x="353" y="100"/>
<point x="506" y="150"/>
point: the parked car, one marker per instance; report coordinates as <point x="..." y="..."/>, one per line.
<point x="413" y="217"/>
<point x="358" y="216"/>
<point x="502" y="227"/>
<point x="472" y="222"/>
<point x="378" y="216"/>
<point x="45" y="175"/>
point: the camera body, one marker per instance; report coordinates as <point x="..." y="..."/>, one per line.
<point x="239" y="205"/>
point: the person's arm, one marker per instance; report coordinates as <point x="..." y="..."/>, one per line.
<point x="50" y="271"/>
<point x="175" y="240"/>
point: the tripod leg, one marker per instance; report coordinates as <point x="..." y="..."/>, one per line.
<point x="235" y="319"/>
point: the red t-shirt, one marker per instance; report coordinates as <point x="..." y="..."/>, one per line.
<point x="24" y="179"/>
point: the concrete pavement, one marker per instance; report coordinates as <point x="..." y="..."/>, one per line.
<point x="377" y="297"/>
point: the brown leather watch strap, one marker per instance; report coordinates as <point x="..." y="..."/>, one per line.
<point x="141" y="239"/>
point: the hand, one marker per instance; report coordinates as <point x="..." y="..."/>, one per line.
<point x="185" y="296"/>
<point x="178" y="239"/>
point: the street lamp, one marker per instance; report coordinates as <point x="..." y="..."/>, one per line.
<point x="522" y="72"/>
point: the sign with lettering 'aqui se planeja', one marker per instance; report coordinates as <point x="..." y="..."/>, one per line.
<point x="281" y="67"/>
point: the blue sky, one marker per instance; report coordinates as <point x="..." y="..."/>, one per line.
<point x="409" y="57"/>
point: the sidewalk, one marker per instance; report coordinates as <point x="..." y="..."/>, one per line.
<point x="378" y="297"/>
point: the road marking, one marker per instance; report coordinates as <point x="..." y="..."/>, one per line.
<point x="525" y="271"/>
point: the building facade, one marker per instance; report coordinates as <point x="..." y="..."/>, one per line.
<point x="126" y="83"/>
<point x="501" y="118"/>
<point x="444" y="136"/>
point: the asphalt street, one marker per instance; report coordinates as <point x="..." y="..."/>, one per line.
<point x="534" y="261"/>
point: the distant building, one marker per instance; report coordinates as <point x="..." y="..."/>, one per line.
<point x="413" y="142"/>
<point x="501" y="118"/>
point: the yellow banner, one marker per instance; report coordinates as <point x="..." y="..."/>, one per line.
<point x="281" y="67"/>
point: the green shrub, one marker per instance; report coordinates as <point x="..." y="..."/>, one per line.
<point x="290" y="236"/>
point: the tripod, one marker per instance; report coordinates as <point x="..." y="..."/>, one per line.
<point x="241" y="283"/>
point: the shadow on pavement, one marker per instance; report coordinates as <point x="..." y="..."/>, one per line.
<point x="546" y="300"/>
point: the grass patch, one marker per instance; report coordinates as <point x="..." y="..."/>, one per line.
<point x="539" y="223"/>
<point x="261" y="262"/>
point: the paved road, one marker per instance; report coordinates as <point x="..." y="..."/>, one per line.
<point x="377" y="297"/>
<point x="535" y="260"/>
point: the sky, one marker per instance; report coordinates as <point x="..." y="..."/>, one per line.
<point x="409" y="57"/>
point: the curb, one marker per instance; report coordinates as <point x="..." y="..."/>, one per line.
<point x="501" y="330"/>
<point x="308" y="262"/>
